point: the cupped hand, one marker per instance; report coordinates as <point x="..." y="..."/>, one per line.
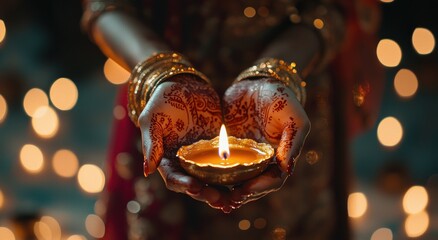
<point x="181" y="111"/>
<point x="267" y="111"/>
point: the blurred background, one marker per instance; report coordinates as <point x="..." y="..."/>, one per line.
<point x="56" y="109"/>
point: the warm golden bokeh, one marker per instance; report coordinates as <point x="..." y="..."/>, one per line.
<point x="45" y="122"/>
<point x="357" y="205"/>
<point x="2" y="31"/>
<point x="382" y="234"/>
<point x="65" y="163"/>
<point x="3" y="108"/>
<point x="387" y="1"/>
<point x="318" y="23"/>
<point x="64" y="94"/>
<point x="423" y="41"/>
<point x="389" y="132"/>
<point x="244" y="224"/>
<point x="119" y="112"/>
<point x="114" y="73"/>
<point x="76" y="237"/>
<point x="249" y="12"/>
<point x="389" y="53"/>
<point x="405" y="83"/>
<point x="91" y="178"/>
<point x="54" y="227"/>
<point x="415" y="200"/>
<point x="34" y="99"/>
<point x="31" y="158"/>
<point x="6" y="234"/>
<point x="42" y="231"/>
<point x="95" y="226"/>
<point x="2" y="199"/>
<point x="417" y="224"/>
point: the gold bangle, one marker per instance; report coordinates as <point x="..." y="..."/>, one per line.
<point x="147" y="75"/>
<point x="279" y="70"/>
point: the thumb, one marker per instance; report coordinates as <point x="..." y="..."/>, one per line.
<point x="152" y="139"/>
<point x="291" y="143"/>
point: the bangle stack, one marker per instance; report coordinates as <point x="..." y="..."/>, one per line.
<point x="279" y="70"/>
<point x="147" y="75"/>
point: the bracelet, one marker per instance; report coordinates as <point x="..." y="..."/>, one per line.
<point x="147" y="75"/>
<point x="279" y="70"/>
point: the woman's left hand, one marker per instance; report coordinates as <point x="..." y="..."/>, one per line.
<point x="267" y="111"/>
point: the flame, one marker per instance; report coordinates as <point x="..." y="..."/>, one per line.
<point x="224" y="149"/>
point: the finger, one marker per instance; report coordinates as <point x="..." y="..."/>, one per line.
<point x="176" y="179"/>
<point x="291" y="143"/>
<point x="269" y="181"/>
<point x="152" y="139"/>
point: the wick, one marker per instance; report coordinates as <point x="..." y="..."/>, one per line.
<point x="225" y="156"/>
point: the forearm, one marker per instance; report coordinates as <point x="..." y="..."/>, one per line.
<point x="299" y="44"/>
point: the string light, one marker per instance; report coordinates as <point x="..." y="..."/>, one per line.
<point x="389" y="53"/>
<point x="244" y="224"/>
<point x="405" y="83"/>
<point x="45" y="122"/>
<point x="249" y="12"/>
<point x="382" y="234"/>
<point x="2" y="199"/>
<point x="91" y="178"/>
<point x="416" y="224"/>
<point x="357" y="205"/>
<point x="65" y="163"/>
<point x="34" y="99"/>
<point x="423" y="41"/>
<point x="95" y="226"/>
<point x="31" y="158"/>
<point x="6" y="234"/>
<point x="389" y="132"/>
<point x="114" y="73"/>
<point x="63" y="94"/>
<point x="2" y="31"/>
<point x="415" y="200"/>
<point x="3" y="109"/>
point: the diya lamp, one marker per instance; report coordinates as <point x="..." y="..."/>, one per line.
<point x="225" y="160"/>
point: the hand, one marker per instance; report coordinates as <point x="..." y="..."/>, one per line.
<point x="181" y="111"/>
<point x="267" y="111"/>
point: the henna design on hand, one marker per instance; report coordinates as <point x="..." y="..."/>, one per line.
<point x="180" y="112"/>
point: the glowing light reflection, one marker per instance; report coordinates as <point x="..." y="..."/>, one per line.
<point x="91" y="178"/>
<point x="45" y="122"/>
<point x="405" y="83"/>
<point x="95" y="226"/>
<point x="114" y="73"/>
<point x="2" y="31"/>
<point x="389" y="53"/>
<point x="34" y="99"/>
<point x="423" y="41"/>
<point x="3" y="108"/>
<point x="415" y="200"/>
<point x="389" y="132"/>
<point x="416" y="224"/>
<point x="65" y="163"/>
<point x="31" y="158"/>
<point x="63" y="94"/>
<point x="6" y="234"/>
<point x="382" y="234"/>
<point x="357" y="205"/>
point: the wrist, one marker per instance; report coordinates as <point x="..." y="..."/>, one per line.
<point x="149" y="74"/>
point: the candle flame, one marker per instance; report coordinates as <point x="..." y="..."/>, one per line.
<point x="224" y="149"/>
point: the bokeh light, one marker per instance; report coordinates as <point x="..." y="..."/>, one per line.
<point x="3" y="108"/>
<point x="95" y="226"/>
<point x="357" y="205"/>
<point x="2" y="199"/>
<point x="65" y="163"/>
<point x="31" y="158"/>
<point x="63" y="94"/>
<point x="34" y="99"/>
<point x="405" y="83"/>
<point x="6" y="234"/>
<point x="91" y="178"/>
<point x="382" y="234"/>
<point x="53" y="225"/>
<point x="416" y="224"/>
<point x="244" y="224"/>
<point x="76" y="237"/>
<point x="318" y="23"/>
<point x="119" y="112"/>
<point x="249" y="12"/>
<point x="2" y="31"/>
<point x="423" y="41"/>
<point x="415" y="200"/>
<point x="45" y="122"/>
<point x="42" y="231"/>
<point x="387" y="1"/>
<point x="389" y="53"/>
<point x="389" y="132"/>
<point x="114" y="73"/>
